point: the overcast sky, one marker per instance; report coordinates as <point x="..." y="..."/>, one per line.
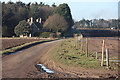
<point x="88" y="9"/>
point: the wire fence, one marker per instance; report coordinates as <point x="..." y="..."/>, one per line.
<point x="83" y="44"/>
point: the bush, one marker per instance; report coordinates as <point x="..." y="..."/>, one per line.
<point x="23" y="28"/>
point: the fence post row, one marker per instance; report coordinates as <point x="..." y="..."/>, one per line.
<point x="103" y="48"/>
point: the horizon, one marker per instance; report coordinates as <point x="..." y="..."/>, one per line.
<point x="79" y="10"/>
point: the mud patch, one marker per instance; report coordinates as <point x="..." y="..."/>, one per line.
<point x="43" y="72"/>
<point x="42" y="67"/>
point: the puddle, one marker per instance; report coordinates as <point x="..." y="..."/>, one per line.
<point x="15" y="53"/>
<point x="47" y="73"/>
<point x="45" y="69"/>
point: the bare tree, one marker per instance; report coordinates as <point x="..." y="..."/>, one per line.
<point x="56" y="23"/>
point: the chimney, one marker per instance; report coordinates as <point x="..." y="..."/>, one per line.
<point x="31" y="19"/>
<point x="28" y="20"/>
<point x="40" y="20"/>
<point x="37" y="20"/>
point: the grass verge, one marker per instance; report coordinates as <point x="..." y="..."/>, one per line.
<point x="67" y="54"/>
<point x="24" y="46"/>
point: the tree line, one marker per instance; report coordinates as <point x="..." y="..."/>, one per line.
<point x="97" y="23"/>
<point x="54" y="18"/>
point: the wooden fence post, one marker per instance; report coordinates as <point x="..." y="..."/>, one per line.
<point x="86" y="47"/>
<point x="102" y="61"/>
<point x="96" y="55"/>
<point x="107" y="57"/>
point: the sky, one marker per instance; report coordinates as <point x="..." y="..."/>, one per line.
<point x="87" y="9"/>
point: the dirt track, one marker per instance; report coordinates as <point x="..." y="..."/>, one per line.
<point x="18" y="65"/>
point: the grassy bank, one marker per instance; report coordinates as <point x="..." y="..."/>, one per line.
<point x="24" y="46"/>
<point x="67" y="54"/>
